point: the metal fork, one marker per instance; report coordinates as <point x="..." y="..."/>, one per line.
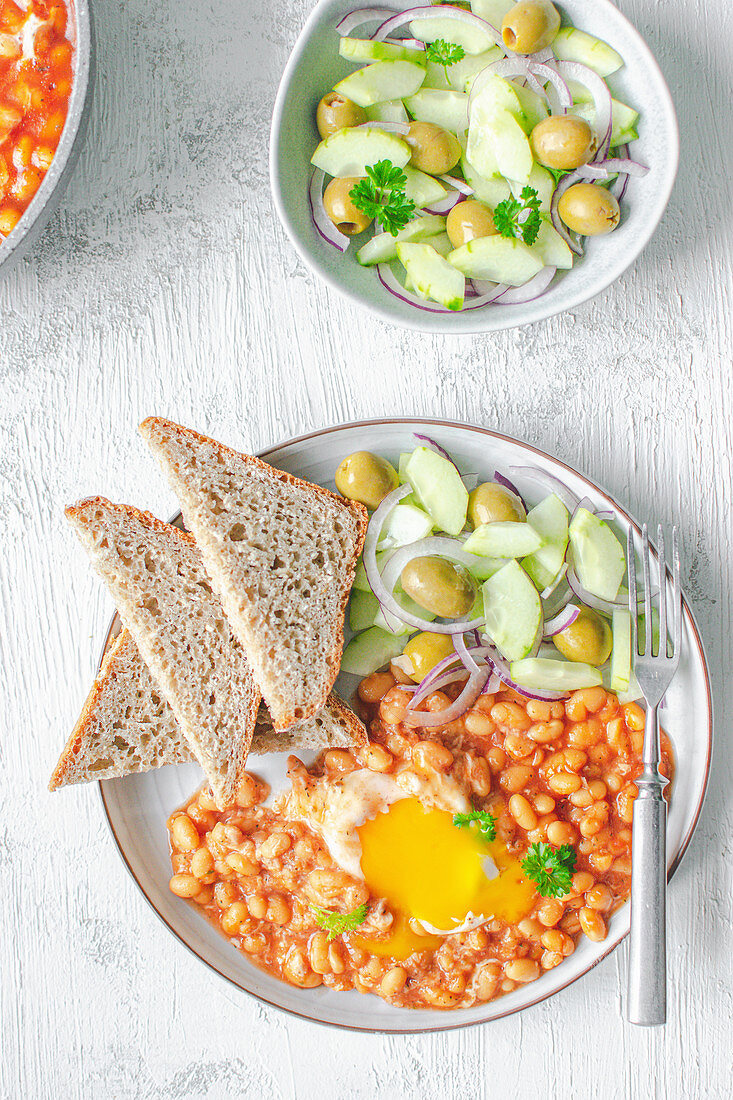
<point x="647" y="986"/>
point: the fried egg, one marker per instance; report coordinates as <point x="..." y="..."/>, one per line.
<point x="396" y="832"/>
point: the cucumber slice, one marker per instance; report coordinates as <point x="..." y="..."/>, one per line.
<point x="574" y="45"/>
<point x="438" y="488"/>
<point x="621" y="652"/>
<point x="444" y="108"/>
<point x="432" y="276"/>
<point x="598" y="555"/>
<point x="361" y="583"/>
<point x="396" y="626"/>
<point x="462" y="75"/>
<point x="422" y="188"/>
<point x="498" y="259"/>
<point x="436" y="77"/>
<point x="481" y="158"/>
<point x="405" y="523"/>
<point x="550" y="248"/>
<point x="544" y="185"/>
<point x="370" y="651"/>
<point x="364" y="49"/>
<point x="532" y="107"/>
<point x="492" y="191"/>
<point x="389" y="110"/>
<point x="382" y="80"/>
<point x="544" y="674"/>
<point x="507" y="141"/>
<point x="633" y="691"/>
<point x="363" y="608"/>
<point x="550" y="519"/>
<point x="503" y="540"/>
<point x="493" y="11"/>
<point x="429" y="29"/>
<point x="496" y="94"/>
<point x="623" y="120"/>
<point x="383" y="246"/>
<point x="482" y="569"/>
<point x="349" y="151"/>
<point x="513" y="611"/>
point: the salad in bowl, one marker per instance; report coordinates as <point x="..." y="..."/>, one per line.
<point x="460" y="169"/>
<point x="471" y="158"/>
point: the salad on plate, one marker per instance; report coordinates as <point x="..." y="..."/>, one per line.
<point x="471" y="151"/>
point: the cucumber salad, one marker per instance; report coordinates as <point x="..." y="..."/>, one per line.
<point x="477" y="153"/>
<point x="484" y="583"/>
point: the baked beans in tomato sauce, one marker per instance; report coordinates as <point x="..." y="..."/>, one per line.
<point x="560" y="772"/>
<point x="35" y="84"/>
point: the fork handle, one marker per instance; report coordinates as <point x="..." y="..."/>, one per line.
<point x="647" y="992"/>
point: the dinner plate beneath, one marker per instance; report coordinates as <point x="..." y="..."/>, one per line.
<point x="138" y="807"/>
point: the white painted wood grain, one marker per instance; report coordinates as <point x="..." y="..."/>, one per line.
<point x="164" y="285"/>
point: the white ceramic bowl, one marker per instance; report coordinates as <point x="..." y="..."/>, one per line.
<point x="137" y="807"/>
<point x="53" y="184"/>
<point x="315" y="66"/>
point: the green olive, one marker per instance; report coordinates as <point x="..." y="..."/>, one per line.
<point x="345" y="216"/>
<point x="563" y="142"/>
<point x="334" y="113"/>
<point x="426" y="650"/>
<point x="467" y="221"/>
<point x="588" y="639"/>
<point x="439" y="586"/>
<point x="589" y="210"/>
<point x="531" y="25"/>
<point x="434" y="150"/>
<point x="366" y="477"/>
<point x="492" y="503"/>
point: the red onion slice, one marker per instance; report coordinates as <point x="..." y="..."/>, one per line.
<point x="445" y="667"/>
<point x="546" y="74"/>
<point x="438" y="11"/>
<point x="528" y="291"/>
<point x="622" y="165"/>
<point x="557" y="222"/>
<point x="459" y="644"/>
<point x="321" y="220"/>
<point x="549" y="482"/>
<point x="457" y="184"/>
<point x="388" y="127"/>
<point x="369" y="554"/>
<point x="474" y="686"/>
<point x="361" y="15"/>
<point x="562" y="620"/>
<point x="573" y="70"/>
<point x="444" y="206"/>
<point x="445" y="547"/>
<point x="501" y="667"/>
<point x="500" y="479"/>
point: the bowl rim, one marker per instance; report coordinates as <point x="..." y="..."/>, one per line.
<point x="76" y="118"/>
<point x="467" y="322"/>
<point x="696" y="638"/>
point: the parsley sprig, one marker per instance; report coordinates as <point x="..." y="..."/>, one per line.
<point x="445" y="53"/>
<point x="519" y="217"/>
<point x="382" y="196"/>
<point x="551" y="869"/>
<point x="486" y="824"/>
<point x="337" y="923"/>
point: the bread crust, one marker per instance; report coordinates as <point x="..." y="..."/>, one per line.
<point x="227" y="776"/>
<point x="155" y="430"/>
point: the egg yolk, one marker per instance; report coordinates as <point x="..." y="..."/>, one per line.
<point x="428" y="868"/>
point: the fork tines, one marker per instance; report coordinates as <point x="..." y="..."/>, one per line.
<point x="663" y="653"/>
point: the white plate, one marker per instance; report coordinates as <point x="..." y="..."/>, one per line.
<point x="315" y="66"/>
<point x="137" y="807"/>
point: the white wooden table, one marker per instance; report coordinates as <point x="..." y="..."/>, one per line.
<point x="165" y="285"/>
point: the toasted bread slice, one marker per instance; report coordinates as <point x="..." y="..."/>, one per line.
<point x="126" y="725"/>
<point x="155" y="575"/>
<point x="280" y="552"/>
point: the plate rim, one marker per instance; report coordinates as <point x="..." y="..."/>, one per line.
<point x="447" y="1026"/>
